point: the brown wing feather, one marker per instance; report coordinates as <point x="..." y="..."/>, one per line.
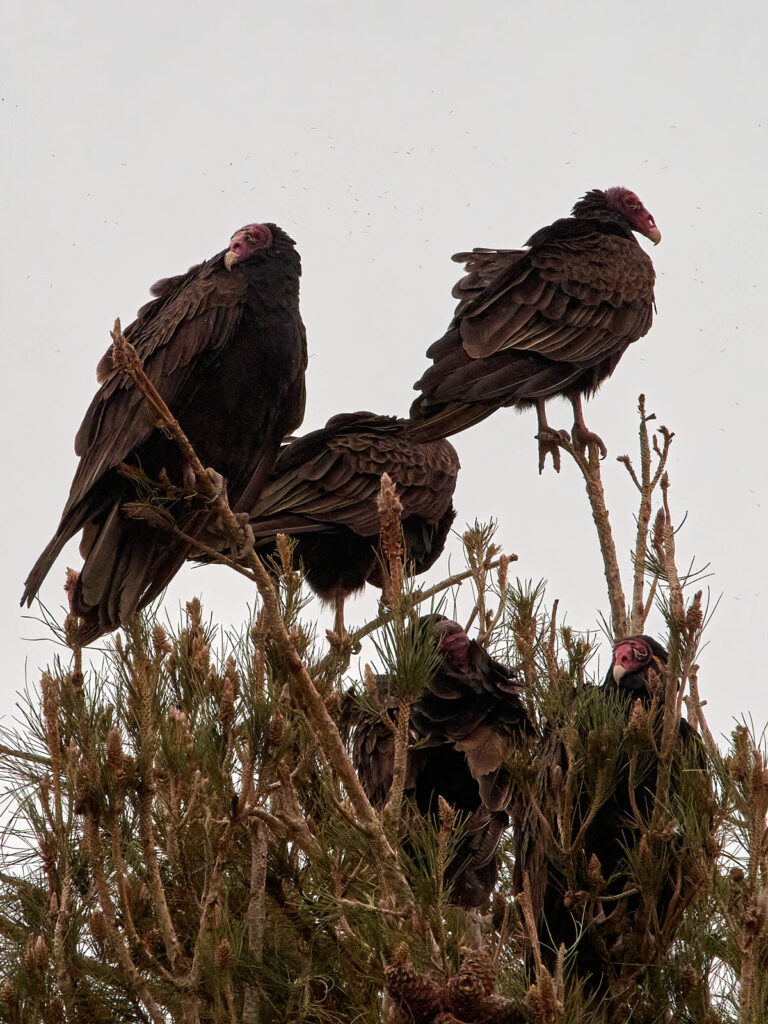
<point x="569" y="300"/>
<point x="530" y="323"/>
<point x="194" y="312"/>
<point x="339" y="484"/>
<point x="199" y="314"/>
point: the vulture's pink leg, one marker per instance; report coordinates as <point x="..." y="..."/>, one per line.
<point x="548" y="438"/>
<point x="581" y="435"/>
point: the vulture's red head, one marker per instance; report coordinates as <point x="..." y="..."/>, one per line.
<point x="452" y="641"/>
<point x="630" y="207"/>
<point x="622" y="201"/>
<point x="247" y="242"/>
<point x="635" y="660"/>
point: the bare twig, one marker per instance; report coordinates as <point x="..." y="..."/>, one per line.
<point x="24" y="755"/>
<point x="529" y="921"/>
<point x="646" y="485"/>
<point x="589" y="466"/>
<point x="394" y="804"/>
<point x="418" y="598"/>
<point x="96" y="858"/>
<point x="302" y="685"/>
<point x="695" y="709"/>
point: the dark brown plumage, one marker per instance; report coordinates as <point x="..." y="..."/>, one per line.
<point x="323" y="490"/>
<point x="551" y="319"/>
<point x="464" y="728"/>
<point x="225" y="347"/>
<point x="613" y="927"/>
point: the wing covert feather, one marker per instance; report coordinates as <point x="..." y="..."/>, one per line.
<point x="195" y="318"/>
<point x="596" y="291"/>
<point x="339" y="483"/>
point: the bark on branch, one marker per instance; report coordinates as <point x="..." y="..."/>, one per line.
<point x="303" y="688"/>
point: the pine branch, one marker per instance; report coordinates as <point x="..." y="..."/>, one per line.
<point x="134" y="977"/>
<point x="589" y="467"/>
<point x="25" y="755"/>
<point x="420" y="596"/>
<point x="394" y="805"/>
<point x="646" y="485"/>
<point x="127" y="360"/>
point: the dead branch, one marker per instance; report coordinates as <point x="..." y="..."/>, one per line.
<point x="127" y="359"/>
<point x="589" y="467"/>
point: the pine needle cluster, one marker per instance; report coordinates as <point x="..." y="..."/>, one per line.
<point x="186" y="838"/>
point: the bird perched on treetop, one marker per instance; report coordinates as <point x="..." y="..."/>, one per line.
<point x="465" y="727"/>
<point x="551" y="319"/>
<point x="614" y="891"/>
<point x="637" y="667"/>
<point x="323" y="489"/>
<point x="225" y="348"/>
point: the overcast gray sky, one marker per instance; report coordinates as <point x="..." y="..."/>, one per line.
<point x="385" y="137"/>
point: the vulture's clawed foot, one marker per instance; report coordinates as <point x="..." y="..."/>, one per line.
<point x="581" y="438"/>
<point x="222" y="537"/>
<point x="217" y="535"/>
<point x="245" y="543"/>
<point x="219" y="484"/>
<point x="549" y="444"/>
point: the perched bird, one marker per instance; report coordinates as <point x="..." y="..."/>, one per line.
<point x="225" y="347"/>
<point x="591" y="885"/>
<point x="465" y="726"/>
<point x="551" y="319"/>
<point x="323" y="489"/>
<point x="638" y="668"/>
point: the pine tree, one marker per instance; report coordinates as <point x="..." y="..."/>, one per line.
<point x="187" y="838"/>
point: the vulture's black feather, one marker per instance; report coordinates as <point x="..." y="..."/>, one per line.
<point x="225" y="347"/>
<point x="550" y="319"/>
<point x="611" y="923"/>
<point x="323" y="489"/>
<point x="465" y="726"/>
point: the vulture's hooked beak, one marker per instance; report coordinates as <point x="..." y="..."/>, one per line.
<point x="618" y="673"/>
<point x="654" y="234"/>
<point x="230" y="258"/>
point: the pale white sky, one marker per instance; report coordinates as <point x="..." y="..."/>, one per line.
<point x="385" y="137"/>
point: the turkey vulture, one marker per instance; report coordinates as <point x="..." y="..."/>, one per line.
<point x="598" y="896"/>
<point x="464" y="727"/>
<point x="225" y="347"/>
<point x="637" y="668"/>
<point x="323" y="491"/>
<point x="551" y="319"/>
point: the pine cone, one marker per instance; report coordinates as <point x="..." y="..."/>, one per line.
<point x="465" y="996"/>
<point x="468" y="989"/>
<point x="542" y="1000"/>
<point x="501" y="1010"/>
<point x="420" y="995"/>
<point x="480" y="966"/>
<point x="275" y="728"/>
<point x="99" y="928"/>
<point x="223" y="955"/>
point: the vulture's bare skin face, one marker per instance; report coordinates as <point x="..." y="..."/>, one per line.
<point x="453" y="642"/>
<point x="631" y="656"/>
<point x="246" y="242"/>
<point x="629" y="205"/>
